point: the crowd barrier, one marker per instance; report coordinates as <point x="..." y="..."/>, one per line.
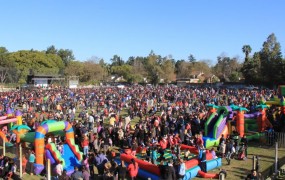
<point x="272" y="137"/>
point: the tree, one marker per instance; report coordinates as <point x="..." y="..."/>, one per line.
<point x="246" y="49"/>
<point x="3" y="50"/>
<point x="39" y="62"/>
<point x="3" y="74"/>
<point x="271" y="60"/>
<point x="131" y="60"/>
<point x="191" y="59"/>
<point x="92" y="72"/>
<point x="153" y="68"/>
<point x="66" y="55"/>
<point x="225" y="67"/>
<point x="182" y="70"/>
<point x="51" y="50"/>
<point x="251" y="69"/>
<point x="117" y="61"/>
<point x="75" y="68"/>
<point x="123" y="70"/>
<point x="168" y="69"/>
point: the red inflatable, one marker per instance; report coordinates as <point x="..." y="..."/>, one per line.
<point x="192" y="149"/>
<point x="209" y="156"/>
<point x="208" y="175"/>
<point x="142" y="164"/>
<point x="191" y="163"/>
<point x="128" y="151"/>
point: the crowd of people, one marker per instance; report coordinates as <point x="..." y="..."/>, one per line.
<point x="109" y="120"/>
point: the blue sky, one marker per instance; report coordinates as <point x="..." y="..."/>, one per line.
<point x="204" y="28"/>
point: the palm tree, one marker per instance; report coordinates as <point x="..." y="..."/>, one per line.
<point x="246" y="49"/>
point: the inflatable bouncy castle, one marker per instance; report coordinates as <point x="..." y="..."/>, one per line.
<point x="194" y="166"/>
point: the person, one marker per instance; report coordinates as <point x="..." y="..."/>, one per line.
<point x="85" y="173"/>
<point x="32" y="159"/>
<point x="213" y="153"/>
<point x="12" y="170"/>
<point x="252" y="175"/>
<point x="222" y="140"/>
<point x="1" y="164"/>
<point x="122" y="171"/>
<point x="153" y="155"/>
<point x="182" y="170"/>
<point x="100" y="160"/>
<point x="187" y="154"/>
<point x="24" y="164"/>
<point x="59" y="168"/>
<point x="85" y="146"/>
<point x="90" y="122"/>
<point x="76" y="175"/>
<point x="60" y="148"/>
<point x="85" y="163"/>
<point x="171" y="171"/>
<point x="224" y="172"/>
<point x="133" y="169"/>
<point x="163" y="169"/>
<point x="229" y="151"/>
<point x="244" y="143"/>
<point x="64" y="176"/>
<point x="222" y="149"/>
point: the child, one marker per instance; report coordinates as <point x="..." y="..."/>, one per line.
<point x="60" y="148"/>
<point x="213" y="153"/>
<point x="153" y="155"/>
<point x="187" y="154"/>
<point x="24" y="164"/>
<point x="12" y="171"/>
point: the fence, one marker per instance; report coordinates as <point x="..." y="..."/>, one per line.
<point x="272" y="137"/>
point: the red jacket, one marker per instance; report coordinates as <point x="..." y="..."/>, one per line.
<point x="163" y="144"/>
<point x="85" y="143"/>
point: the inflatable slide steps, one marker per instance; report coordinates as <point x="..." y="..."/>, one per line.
<point x="54" y="153"/>
<point x="75" y="149"/>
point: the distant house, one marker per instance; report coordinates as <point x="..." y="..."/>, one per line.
<point x="196" y="77"/>
<point x="212" y="79"/>
<point x="116" y="78"/>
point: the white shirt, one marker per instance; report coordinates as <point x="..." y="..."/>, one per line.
<point x="91" y="119"/>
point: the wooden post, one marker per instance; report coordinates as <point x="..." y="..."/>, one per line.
<point x="254" y="162"/>
<point x="4" y="147"/>
<point x="276" y="157"/>
<point x="48" y="170"/>
<point x="21" y="160"/>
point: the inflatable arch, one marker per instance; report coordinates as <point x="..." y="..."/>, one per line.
<point x="40" y="142"/>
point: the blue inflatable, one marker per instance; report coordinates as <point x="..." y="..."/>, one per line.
<point x="191" y="173"/>
<point x="212" y="164"/>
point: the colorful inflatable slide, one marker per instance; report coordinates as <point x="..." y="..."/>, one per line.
<point x="216" y="125"/>
<point x="71" y="155"/>
<point x="7" y="120"/>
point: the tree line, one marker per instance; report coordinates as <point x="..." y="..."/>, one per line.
<point x="266" y="66"/>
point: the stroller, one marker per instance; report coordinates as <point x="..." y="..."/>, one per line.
<point x="241" y="153"/>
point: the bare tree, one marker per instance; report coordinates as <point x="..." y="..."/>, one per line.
<point x="3" y="74"/>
